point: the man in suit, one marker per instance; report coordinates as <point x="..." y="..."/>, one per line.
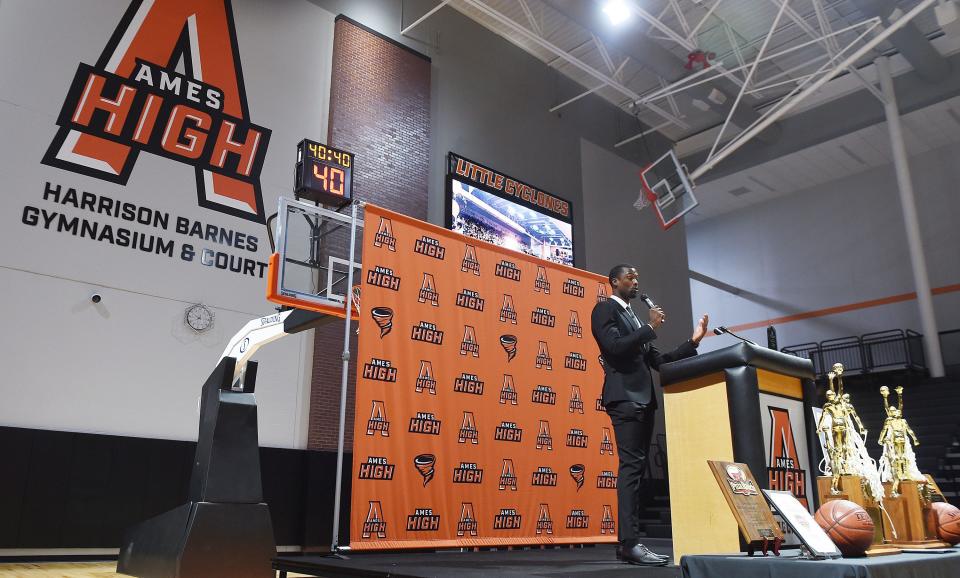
<point x="628" y="355"/>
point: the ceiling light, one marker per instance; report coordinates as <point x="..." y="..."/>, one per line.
<point x="617" y="11"/>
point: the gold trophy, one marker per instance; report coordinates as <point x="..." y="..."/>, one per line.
<point x="853" y="475"/>
<point x="911" y="520"/>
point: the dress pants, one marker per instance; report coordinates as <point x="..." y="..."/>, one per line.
<point x="633" y="428"/>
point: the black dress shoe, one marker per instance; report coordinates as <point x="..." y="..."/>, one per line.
<point x="620" y="552"/>
<point x="642" y="556"/>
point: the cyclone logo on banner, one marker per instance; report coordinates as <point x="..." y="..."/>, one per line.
<point x="383" y="317"/>
<point x="576" y="472"/>
<point x="509" y="343"/>
<point x="425" y="465"/>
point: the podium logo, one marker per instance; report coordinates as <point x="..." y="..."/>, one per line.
<point x="606" y="445"/>
<point x="543" y="476"/>
<point x="507" y="270"/>
<point x="507" y="519"/>
<point x="577" y="472"/>
<point x="508" y="431"/>
<point x="469" y="300"/>
<point x="576" y="402"/>
<point x="427" y="332"/>
<point x="380" y="370"/>
<point x="544" y="522"/>
<point x="739" y="482"/>
<point x="425" y="380"/>
<point x="573" y="327"/>
<point x="542" y="283"/>
<point x="607" y="524"/>
<point x="542" y="316"/>
<point x="573" y="287"/>
<point x="544" y="394"/>
<point x="424" y="423"/>
<point x="544" y="361"/>
<point x="508" y="393"/>
<point x="428" y="291"/>
<point x="425" y="464"/>
<point x="509" y="344"/>
<point x="578" y="520"/>
<point x="467" y="526"/>
<point x="383" y="317"/>
<point x="576" y="438"/>
<point x="468" y="383"/>
<point x="378" y="420"/>
<point x="376" y="468"/>
<point x="423" y="520"/>
<point x="383" y="277"/>
<point x="783" y="466"/>
<point x="374" y="523"/>
<point x="467" y="473"/>
<point x="469" y="264"/>
<point x="575" y="361"/>
<point x="384" y="235"/>
<point x="508" y="314"/>
<point x="508" y="477"/>
<point x="601" y="292"/>
<point x="430" y="247"/>
<point x="468" y="429"/>
<point x="469" y="345"/>
<point x="607" y="480"/>
<point x="544" y="439"/>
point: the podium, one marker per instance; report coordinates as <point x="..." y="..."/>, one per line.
<point x="744" y="404"/>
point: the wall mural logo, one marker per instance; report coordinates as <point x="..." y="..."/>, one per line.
<point x="542" y="283"/>
<point x="376" y="468"/>
<point x="468" y="383"/>
<point x="543" y="476"/>
<point x="508" y="431"/>
<point x="424" y="422"/>
<point x="573" y="327"/>
<point x="467" y="473"/>
<point x="425" y="465"/>
<point x="468" y="429"/>
<point x="468" y="520"/>
<point x="470" y="300"/>
<point x="542" y="316"/>
<point x="378" y="420"/>
<point x="573" y="287"/>
<point x="507" y="519"/>
<point x="544" y="361"/>
<point x="425" y="379"/>
<point x="601" y="293"/>
<point x="423" y="520"/>
<point x="508" y="476"/>
<point x="575" y="361"/>
<point x="383" y="277"/>
<point x="133" y="100"/>
<point x="508" y="393"/>
<point x="544" y="522"/>
<point x="430" y="247"/>
<point x="784" y="472"/>
<point x="384" y="236"/>
<point x="428" y="291"/>
<point x="607" y="480"/>
<point x="380" y="370"/>
<point x="576" y="438"/>
<point x="578" y="520"/>
<point x="469" y="345"/>
<point x="508" y="314"/>
<point x="607" y="524"/>
<point x="606" y="446"/>
<point x="383" y="317"/>
<point x="576" y="402"/>
<point x="543" y="394"/>
<point x="544" y="439"/>
<point x="469" y="262"/>
<point x="507" y="270"/>
<point x="426" y="332"/>
<point x="374" y="523"/>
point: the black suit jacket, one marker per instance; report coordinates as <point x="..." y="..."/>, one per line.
<point x="629" y="354"/>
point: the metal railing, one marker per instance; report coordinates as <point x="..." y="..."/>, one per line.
<point x="879" y="351"/>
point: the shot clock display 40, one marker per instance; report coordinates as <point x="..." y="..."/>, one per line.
<point x="324" y="174"/>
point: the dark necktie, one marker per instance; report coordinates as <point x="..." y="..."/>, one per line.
<point x="632" y="315"/>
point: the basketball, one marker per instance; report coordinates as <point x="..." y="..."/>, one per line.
<point x="848" y="525"/>
<point x="948" y="521"/>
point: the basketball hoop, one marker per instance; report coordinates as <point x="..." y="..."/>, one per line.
<point x="356" y="304"/>
<point x="641" y="202"/>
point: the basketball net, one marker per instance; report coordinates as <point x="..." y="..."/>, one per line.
<point x="356" y="304"/>
<point x="641" y="202"/>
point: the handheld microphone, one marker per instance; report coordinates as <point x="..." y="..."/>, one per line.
<point x="647" y="300"/>
<point x="720" y="330"/>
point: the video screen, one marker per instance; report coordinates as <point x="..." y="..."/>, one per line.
<point x="488" y="217"/>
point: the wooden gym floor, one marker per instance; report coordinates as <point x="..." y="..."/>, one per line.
<point x="67" y="570"/>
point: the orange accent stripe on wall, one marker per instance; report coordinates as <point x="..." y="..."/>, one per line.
<point x="841" y="309"/>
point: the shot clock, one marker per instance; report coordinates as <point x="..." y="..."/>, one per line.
<point x="324" y="174"/>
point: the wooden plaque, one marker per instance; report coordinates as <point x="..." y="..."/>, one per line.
<point x="748" y="505"/>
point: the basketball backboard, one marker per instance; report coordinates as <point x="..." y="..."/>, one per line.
<point x="668" y="188"/>
<point x="311" y="265"/>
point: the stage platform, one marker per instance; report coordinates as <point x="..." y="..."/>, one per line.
<point x="592" y="561"/>
<point x="912" y="565"/>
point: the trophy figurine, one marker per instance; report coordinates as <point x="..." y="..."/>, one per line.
<point x="840" y="447"/>
<point x="898" y="462"/>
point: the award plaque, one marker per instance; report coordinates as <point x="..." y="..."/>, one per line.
<point x="756" y="522"/>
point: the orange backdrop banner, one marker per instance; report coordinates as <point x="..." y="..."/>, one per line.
<point x="477" y="411"/>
